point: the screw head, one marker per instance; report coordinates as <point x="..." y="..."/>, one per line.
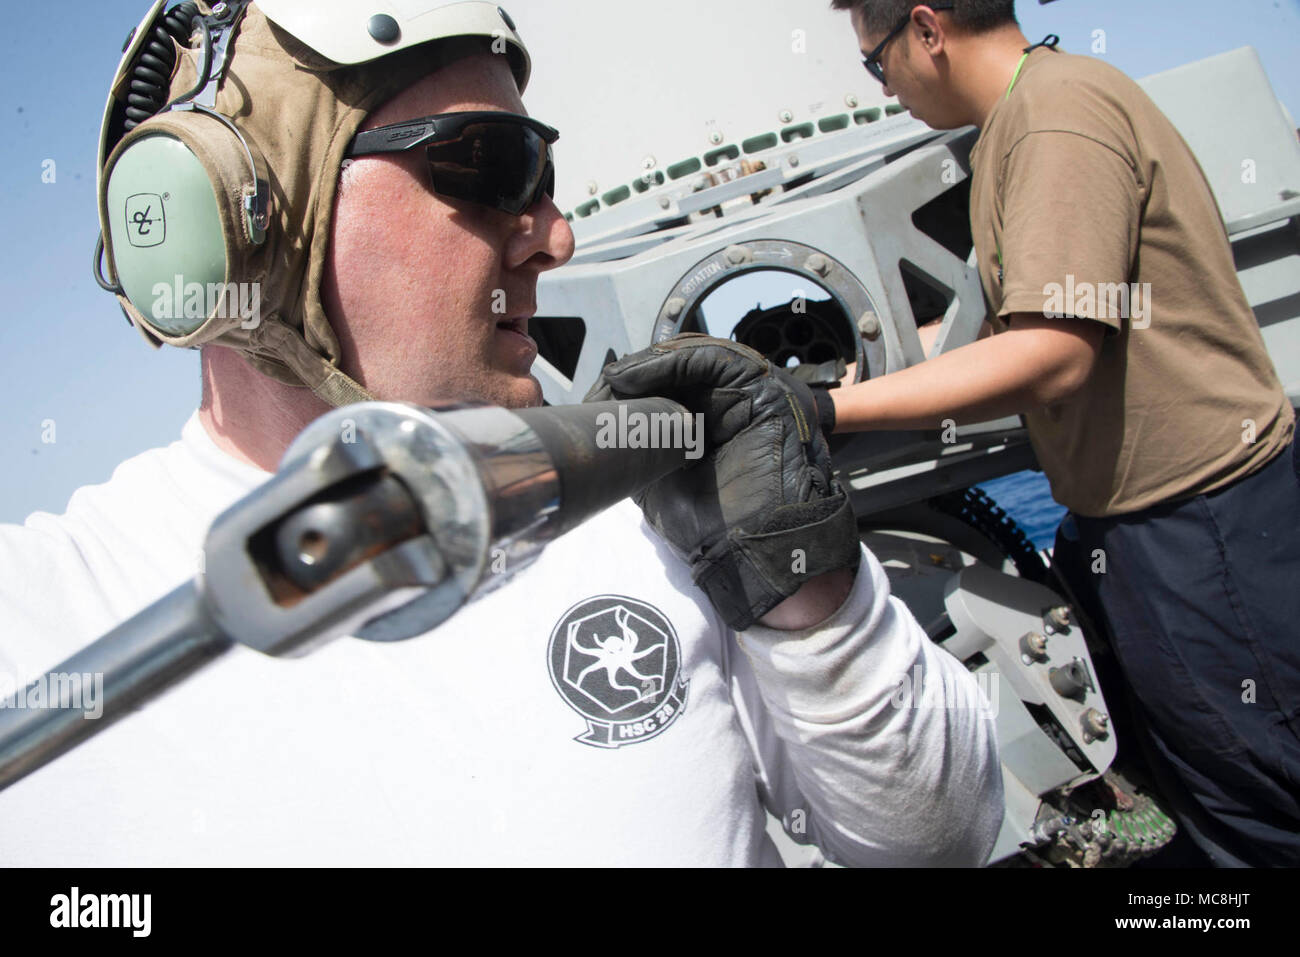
<point x="793" y="161"/>
<point x="592" y="187"/>
<point x="869" y="326"/>
<point x="737" y="255"/>
<point x="785" y="116"/>
<point x="715" y="137"/>
<point x="383" y="29"/>
<point x="819" y="264"/>
<point x="1095" y="724"/>
<point x="673" y="307"/>
<point x="648" y="163"/>
<point x="851" y="101"/>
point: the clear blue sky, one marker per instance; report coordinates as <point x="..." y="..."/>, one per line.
<point x="67" y="355"/>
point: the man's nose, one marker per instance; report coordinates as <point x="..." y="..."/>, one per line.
<point x="560" y="238"/>
<point x="544" y="238"/>
<point x="887" y="90"/>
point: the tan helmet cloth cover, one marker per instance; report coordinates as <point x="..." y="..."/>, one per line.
<point x="299" y="111"/>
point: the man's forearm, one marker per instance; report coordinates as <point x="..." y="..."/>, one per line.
<point x="836" y="739"/>
<point x="950" y="386"/>
<point x="1032" y="364"/>
<point x="812" y="604"/>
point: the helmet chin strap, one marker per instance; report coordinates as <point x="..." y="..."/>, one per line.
<point x="313" y="370"/>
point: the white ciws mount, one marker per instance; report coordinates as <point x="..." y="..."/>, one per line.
<point x="1021" y="635"/>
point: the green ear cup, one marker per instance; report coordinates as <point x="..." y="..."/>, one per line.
<point x="167" y="240"/>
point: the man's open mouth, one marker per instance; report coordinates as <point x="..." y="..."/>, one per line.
<point x="518" y="325"/>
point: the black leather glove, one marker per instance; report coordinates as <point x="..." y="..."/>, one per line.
<point x="760" y="513"/>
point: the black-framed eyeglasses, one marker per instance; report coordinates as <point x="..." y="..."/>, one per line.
<point x="502" y="160"/>
<point x="872" y="60"/>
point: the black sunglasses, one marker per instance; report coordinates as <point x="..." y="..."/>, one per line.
<point x="502" y="160"/>
<point x="872" y="60"/>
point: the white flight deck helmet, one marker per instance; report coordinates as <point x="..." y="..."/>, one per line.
<point x="220" y="153"/>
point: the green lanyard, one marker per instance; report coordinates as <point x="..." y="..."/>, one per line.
<point x="1015" y="76"/>
<point x="1050" y="41"/>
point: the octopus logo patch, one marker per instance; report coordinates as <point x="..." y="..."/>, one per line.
<point x="617" y="662"/>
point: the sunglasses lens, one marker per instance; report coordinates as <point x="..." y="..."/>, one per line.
<point x="502" y="165"/>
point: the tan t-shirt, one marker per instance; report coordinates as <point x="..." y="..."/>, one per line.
<point x="1086" y="202"/>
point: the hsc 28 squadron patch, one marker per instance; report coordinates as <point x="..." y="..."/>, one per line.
<point x="617" y="662"/>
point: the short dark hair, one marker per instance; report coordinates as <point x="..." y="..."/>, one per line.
<point x="974" y="16"/>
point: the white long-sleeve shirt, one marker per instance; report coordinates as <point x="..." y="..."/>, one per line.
<point x="593" y="711"/>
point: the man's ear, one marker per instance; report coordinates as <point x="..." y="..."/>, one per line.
<point x="926" y="23"/>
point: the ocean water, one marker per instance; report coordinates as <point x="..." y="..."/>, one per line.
<point x="1026" y="497"/>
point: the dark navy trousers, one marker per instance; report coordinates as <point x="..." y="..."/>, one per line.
<point x="1202" y="600"/>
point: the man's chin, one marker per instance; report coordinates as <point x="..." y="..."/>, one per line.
<point x="936" y="123"/>
<point x="511" y="391"/>
<point x="523" y="392"/>
<point x="507" y="391"/>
